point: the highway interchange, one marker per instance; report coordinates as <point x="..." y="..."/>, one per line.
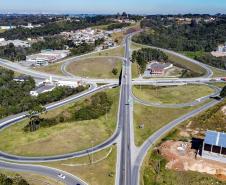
<point x="129" y="157"/>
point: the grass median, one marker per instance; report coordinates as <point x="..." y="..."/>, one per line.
<point x="147" y="119"/>
<point x="96" y="67"/>
<point x="64" y="137"/>
<point x="172" y="94"/>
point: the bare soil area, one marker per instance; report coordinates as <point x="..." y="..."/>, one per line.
<point x="181" y="157"/>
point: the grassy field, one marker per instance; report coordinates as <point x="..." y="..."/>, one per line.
<point x="63" y="137"/>
<point x="217" y="72"/>
<point x="219" y="84"/>
<point x="32" y="179"/>
<point x="119" y="51"/>
<point x="154" y="118"/>
<point x="118" y="36"/>
<point x="186" y="64"/>
<point x="95" y="173"/>
<point x="172" y="94"/>
<point x="95" y="67"/>
<point x="149" y="176"/>
<point x="135" y="70"/>
<point x="51" y="69"/>
<point x="136" y="46"/>
<point x="56" y="68"/>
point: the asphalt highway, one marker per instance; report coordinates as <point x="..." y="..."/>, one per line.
<point x="124" y="119"/>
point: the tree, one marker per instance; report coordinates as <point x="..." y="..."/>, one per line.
<point x="115" y="71"/>
<point x="33" y="114"/>
<point x="223" y="92"/>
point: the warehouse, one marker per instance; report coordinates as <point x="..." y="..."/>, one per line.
<point x="214" y="146"/>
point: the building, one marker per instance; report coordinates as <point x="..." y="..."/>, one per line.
<point x="7" y="27"/>
<point x="48" y="85"/>
<point x="221" y="48"/>
<point x="16" y="43"/>
<point x="42" y="89"/>
<point x="214" y="146"/>
<point x="46" y="57"/>
<point x="155" y="68"/>
<point x="220" y="52"/>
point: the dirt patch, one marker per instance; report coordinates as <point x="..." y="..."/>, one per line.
<point x="182" y="158"/>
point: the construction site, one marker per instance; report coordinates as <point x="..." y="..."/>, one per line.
<point x="182" y="156"/>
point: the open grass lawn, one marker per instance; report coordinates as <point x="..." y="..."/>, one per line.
<point x="136" y="46"/>
<point x="56" y="68"/>
<point x="170" y="177"/>
<point x="172" y="94"/>
<point x="95" y="67"/>
<point x="184" y="63"/>
<point x="135" y="70"/>
<point x="119" y="51"/>
<point x="93" y="174"/>
<point x="154" y="118"/>
<point x="219" y="84"/>
<point x="61" y="138"/>
<point x="218" y="73"/>
<point x="51" y="69"/>
<point x="32" y="179"/>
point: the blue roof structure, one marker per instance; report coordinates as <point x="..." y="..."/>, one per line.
<point x="215" y="138"/>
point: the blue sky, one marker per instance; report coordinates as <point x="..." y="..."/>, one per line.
<point x="114" y="6"/>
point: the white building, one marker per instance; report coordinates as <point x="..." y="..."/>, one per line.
<point x="49" y="85"/>
<point x="16" y="43"/>
<point x="7" y="27"/>
<point x="46" y="57"/>
<point x="221" y="48"/>
<point x="221" y="51"/>
<point x="214" y="146"/>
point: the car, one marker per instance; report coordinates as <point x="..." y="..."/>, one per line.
<point x="61" y="176"/>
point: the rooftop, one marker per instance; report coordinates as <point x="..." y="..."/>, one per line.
<point x="215" y="138"/>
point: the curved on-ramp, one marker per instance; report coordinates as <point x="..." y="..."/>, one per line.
<point x="14" y="119"/>
<point x="68" y="179"/>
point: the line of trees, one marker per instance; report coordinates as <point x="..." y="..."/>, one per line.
<point x="99" y="105"/>
<point x="145" y="55"/>
<point x="92" y="108"/>
<point x="117" y="26"/>
<point x="189" y="37"/>
<point x="53" y="28"/>
<point x="15" y="96"/>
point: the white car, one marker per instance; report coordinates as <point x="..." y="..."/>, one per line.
<point x="61" y="176"/>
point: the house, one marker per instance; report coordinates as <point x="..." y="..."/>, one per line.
<point x="214" y="146"/>
<point x="157" y="68"/>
